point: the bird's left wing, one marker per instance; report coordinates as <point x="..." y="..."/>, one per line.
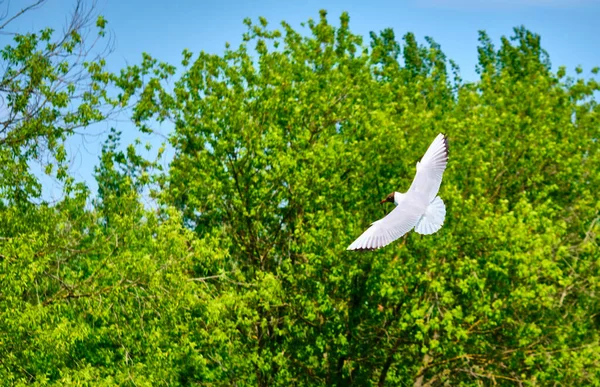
<point x="394" y="225"/>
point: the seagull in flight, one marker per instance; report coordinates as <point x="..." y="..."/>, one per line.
<point x="419" y="208"/>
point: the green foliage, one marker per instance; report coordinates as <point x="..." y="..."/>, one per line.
<point x="283" y="148"/>
<point x="288" y="151"/>
<point x="49" y="89"/>
<point x="87" y="302"/>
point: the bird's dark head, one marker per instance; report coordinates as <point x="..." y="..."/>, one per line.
<point x="389" y="198"/>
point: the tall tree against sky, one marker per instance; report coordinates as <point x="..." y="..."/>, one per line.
<point x="67" y="267"/>
<point x="285" y="155"/>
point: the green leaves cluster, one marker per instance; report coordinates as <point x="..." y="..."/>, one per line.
<point x="283" y="148"/>
<point x="51" y="85"/>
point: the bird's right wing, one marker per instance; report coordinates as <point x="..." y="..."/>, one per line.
<point x="394" y="225"/>
<point x="430" y="169"/>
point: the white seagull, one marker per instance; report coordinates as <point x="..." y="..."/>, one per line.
<point x="419" y="207"/>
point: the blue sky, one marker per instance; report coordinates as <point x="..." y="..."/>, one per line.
<point x="569" y="30"/>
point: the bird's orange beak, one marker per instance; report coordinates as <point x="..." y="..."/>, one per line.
<point x="383" y="201"/>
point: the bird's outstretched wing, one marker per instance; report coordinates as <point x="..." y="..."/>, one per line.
<point x="430" y="169"/>
<point x="394" y="225"/>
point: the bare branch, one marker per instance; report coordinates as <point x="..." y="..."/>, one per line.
<point x="203" y="279"/>
<point x="21" y="12"/>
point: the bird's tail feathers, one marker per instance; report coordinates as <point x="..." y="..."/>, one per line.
<point x="433" y="218"/>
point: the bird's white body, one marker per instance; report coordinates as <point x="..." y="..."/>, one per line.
<point x="419" y="208"/>
<point x="398" y="197"/>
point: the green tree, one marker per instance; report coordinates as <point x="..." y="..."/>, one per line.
<point x="87" y="295"/>
<point x="284" y="147"/>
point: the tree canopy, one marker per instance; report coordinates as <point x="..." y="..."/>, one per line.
<point x="284" y="146"/>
